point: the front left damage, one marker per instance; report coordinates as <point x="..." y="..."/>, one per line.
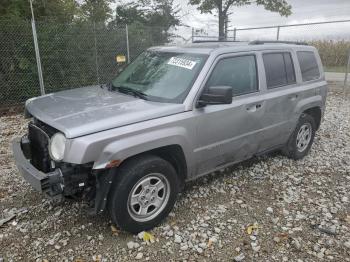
<point x="59" y="180"/>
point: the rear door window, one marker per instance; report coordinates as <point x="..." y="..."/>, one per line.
<point x="308" y="65"/>
<point x="279" y="69"/>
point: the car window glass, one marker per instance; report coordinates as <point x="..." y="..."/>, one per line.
<point x="289" y="68"/>
<point x="308" y="65"/>
<point x="162" y="76"/>
<point x="238" y="72"/>
<point x="279" y="69"/>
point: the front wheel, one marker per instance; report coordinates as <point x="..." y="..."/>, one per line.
<point x="143" y="193"/>
<point x="301" y="140"/>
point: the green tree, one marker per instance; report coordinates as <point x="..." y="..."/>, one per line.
<point x="63" y="11"/>
<point x="58" y="10"/>
<point x="14" y="9"/>
<point x="160" y="13"/>
<point x="223" y="6"/>
<point x="128" y="14"/>
<point x="78" y="42"/>
<point x="96" y="10"/>
<point x="149" y="23"/>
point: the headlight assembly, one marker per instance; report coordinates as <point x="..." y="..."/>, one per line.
<point x="57" y="146"/>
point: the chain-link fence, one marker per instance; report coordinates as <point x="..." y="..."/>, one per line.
<point x="332" y="39"/>
<point x="84" y="53"/>
<point x="72" y="55"/>
<point x="79" y="54"/>
<point x="331" y="30"/>
<point x="18" y="71"/>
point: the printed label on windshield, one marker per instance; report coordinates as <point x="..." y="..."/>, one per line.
<point x="182" y="62"/>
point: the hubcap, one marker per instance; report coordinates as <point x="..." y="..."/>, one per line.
<point x="148" y="197"/>
<point x="304" y="137"/>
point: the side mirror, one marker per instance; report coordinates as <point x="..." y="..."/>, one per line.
<point x="216" y="95"/>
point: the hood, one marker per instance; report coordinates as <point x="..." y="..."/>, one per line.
<point x="87" y="110"/>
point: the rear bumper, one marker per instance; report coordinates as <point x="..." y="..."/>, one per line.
<point x="42" y="182"/>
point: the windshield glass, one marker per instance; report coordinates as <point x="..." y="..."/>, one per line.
<point x="161" y="76"/>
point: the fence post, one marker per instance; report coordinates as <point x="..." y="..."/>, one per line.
<point x="96" y="59"/>
<point x="234" y="33"/>
<point x="347" y="73"/>
<point x="278" y="33"/>
<point x="127" y="42"/>
<point x="37" y="53"/>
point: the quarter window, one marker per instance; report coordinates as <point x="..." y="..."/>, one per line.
<point x="279" y="69"/>
<point x="240" y="72"/>
<point x="308" y="65"/>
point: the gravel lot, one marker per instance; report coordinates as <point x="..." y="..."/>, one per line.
<point x="267" y="209"/>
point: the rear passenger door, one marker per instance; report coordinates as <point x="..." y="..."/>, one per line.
<point x="280" y="98"/>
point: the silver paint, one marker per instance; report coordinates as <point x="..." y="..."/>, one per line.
<point x="102" y="126"/>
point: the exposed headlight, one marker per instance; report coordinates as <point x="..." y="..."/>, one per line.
<point x="57" y="146"/>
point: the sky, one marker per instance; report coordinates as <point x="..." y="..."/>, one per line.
<point x="303" y="11"/>
<point x="248" y="16"/>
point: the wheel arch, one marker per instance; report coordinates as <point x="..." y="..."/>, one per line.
<point x="173" y="153"/>
<point x="176" y="157"/>
<point x="312" y="106"/>
<point x="316" y="113"/>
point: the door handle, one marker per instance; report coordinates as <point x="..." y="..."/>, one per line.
<point x="253" y="108"/>
<point x="293" y="97"/>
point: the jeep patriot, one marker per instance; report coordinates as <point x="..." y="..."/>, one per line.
<point x="172" y="115"/>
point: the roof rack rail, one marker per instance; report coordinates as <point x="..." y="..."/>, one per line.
<point x="213" y="41"/>
<point x="261" y="42"/>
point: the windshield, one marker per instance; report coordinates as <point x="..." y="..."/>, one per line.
<point x="161" y="76"/>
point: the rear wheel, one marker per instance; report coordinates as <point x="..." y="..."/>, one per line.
<point x="143" y="194"/>
<point x="301" y="140"/>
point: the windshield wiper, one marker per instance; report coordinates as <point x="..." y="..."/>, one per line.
<point x="128" y="90"/>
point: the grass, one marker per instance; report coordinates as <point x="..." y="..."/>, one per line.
<point x="336" y="69"/>
<point x="334" y="54"/>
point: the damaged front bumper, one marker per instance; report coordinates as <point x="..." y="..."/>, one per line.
<point x="50" y="183"/>
<point x="64" y="180"/>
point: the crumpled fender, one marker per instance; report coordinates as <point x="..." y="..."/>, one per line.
<point x="124" y="148"/>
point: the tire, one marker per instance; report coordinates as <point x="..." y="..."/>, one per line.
<point x="143" y="193"/>
<point x="295" y="147"/>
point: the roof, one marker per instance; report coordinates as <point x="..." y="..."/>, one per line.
<point x="227" y="46"/>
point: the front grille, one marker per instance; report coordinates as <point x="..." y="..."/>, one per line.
<point x="39" y="142"/>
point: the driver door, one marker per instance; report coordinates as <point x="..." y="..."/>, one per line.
<point x="230" y="133"/>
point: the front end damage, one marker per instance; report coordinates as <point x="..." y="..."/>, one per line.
<point x="58" y="179"/>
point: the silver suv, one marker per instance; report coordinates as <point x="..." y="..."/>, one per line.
<point x="173" y="114"/>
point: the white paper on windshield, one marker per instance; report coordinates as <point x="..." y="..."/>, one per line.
<point x="182" y="62"/>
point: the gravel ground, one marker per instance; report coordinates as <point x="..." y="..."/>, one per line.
<point x="267" y="209"/>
